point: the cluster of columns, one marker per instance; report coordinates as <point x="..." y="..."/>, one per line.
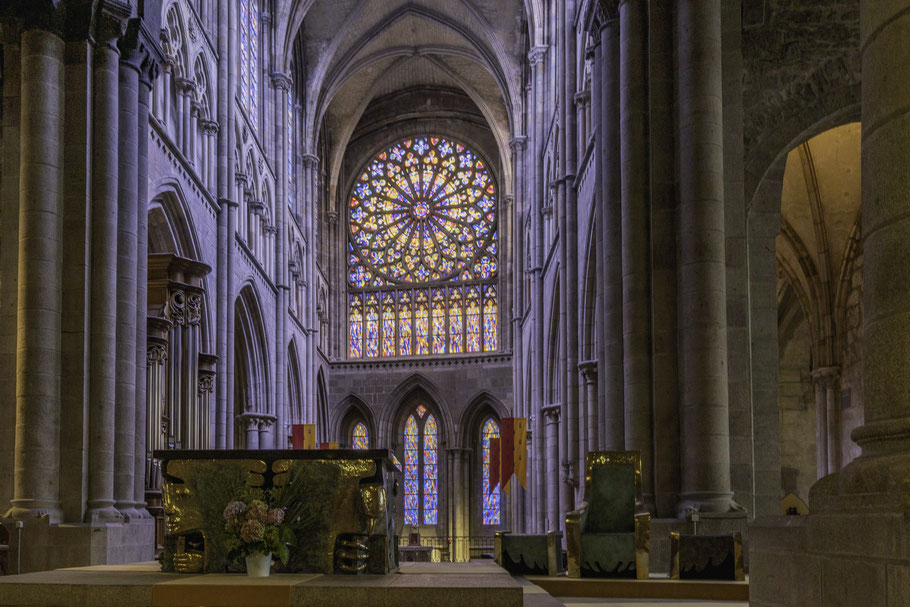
<point x="122" y="63"/>
<point x="610" y="402"/>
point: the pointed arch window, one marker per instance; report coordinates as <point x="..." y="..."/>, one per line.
<point x="249" y="59"/>
<point x="421" y="472"/>
<point x="360" y="436"/>
<point x="422" y="233"/>
<point x="491" y="496"/>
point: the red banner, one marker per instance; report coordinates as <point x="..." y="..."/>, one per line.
<point x="494" y="462"/>
<point x="507" y="457"/>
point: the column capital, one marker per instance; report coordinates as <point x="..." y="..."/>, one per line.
<point x="588" y="370"/>
<point x="110" y="21"/>
<point x="186" y="85"/>
<point x="226" y="203"/>
<point x="537" y="54"/>
<point x="281" y="81"/>
<point x="310" y="160"/>
<point x="602" y="13"/>
<point x="519" y="143"/>
<point x="551" y="413"/>
<point x="582" y="97"/>
<point x="826" y="377"/>
<point x="332" y="216"/>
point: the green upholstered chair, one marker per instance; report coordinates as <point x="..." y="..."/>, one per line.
<point x="605" y="537"/>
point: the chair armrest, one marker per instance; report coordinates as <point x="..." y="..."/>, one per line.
<point x="642" y="545"/>
<point x="573" y="540"/>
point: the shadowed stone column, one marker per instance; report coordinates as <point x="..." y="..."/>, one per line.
<point x="610" y="224"/>
<point x="536" y="60"/>
<point x="588" y="370"/>
<point x="103" y="353"/>
<point x="282" y="84"/>
<point x="705" y="479"/>
<point x="885" y="44"/>
<point x="636" y="275"/>
<point x="826" y="419"/>
<point x="127" y="229"/>
<point x="37" y="451"/>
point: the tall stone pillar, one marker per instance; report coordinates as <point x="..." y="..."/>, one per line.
<point x="610" y="229"/>
<point x="103" y="352"/>
<point x="536" y="59"/>
<point x="127" y="262"/>
<point x="636" y="258"/>
<point x="37" y="451"/>
<point x="705" y="478"/>
<point x="147" y="75"/>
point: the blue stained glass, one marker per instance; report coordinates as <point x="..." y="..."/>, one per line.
<point x="360" y="437"/>
<point x="371" y="329"/>
<point x="411" y="474"/>
<point x="430" y="488"/>
<point x="356" y="325"/>
<point x="491" y="498"/>
<point x="490" y="319"/>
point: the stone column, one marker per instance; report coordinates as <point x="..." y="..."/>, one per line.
<point x="127" y="268"/>
<point x="282" y="84"/>
<point x="536" y="59"/>
<point x="36" y="488"/>
<point x="252" y="432"/>
<point x="185" y="86"/>
<point x="103" y="352"/>
<point x="588" y="370"/>
<point x="827" y="446"/>
<point x="551" y="414"/>
<point x="156" y="391"/>
<point x="146" y="76"/>
<point x="610" y="225"/>
<point x="636" y="277"/>
<point x="705" y="478"/>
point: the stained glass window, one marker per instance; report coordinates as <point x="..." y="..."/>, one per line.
<point x="491" y="495"/>
<point x="422" y="232"/>
<point x="421" y="470"/>
<point x="355" y="319"/>
<point x="360" y="437"/>
<point x="249" y="58"/>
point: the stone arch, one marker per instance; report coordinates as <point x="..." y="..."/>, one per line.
<point x="322" y="405"/>
<point x="480" y="407"/>
<point x="392" y="413"/>
<point x="251" y="364"/>
<point x="353" y="409"/>
<point x="295" y="385"/>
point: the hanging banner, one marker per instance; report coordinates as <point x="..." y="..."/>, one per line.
<point x="494" y="462"/>
<point x="330" y="446"/>
<point x="507" y="457"/>
<point x="521" y="450"/>
<point x="303" y="436"/>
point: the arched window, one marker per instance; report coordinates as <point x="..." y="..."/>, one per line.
<point x="422" y="253"/>
<point x="360" y="436"/>
<point x="249" y="59"/>
<point x="491" y="495"/>
<point x="421" y="478"/>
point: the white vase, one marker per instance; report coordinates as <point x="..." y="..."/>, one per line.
<point x="258" y="565"/>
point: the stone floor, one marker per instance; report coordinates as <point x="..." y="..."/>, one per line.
<point x="475" y="584"/>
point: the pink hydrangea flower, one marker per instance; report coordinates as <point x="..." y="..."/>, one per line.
<point x="252" y="531"/>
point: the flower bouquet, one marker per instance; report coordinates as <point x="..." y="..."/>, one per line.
<point x="254" y="531"/>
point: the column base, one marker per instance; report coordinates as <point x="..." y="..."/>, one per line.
<point x="104" y="512"/>
<point x="29" y="509"/>
<point x="47" y="546"/>
<point x="128" y="511"/>
<point x="706" y="501"/>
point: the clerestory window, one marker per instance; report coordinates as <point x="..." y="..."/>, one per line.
<point x="422" y="253"/>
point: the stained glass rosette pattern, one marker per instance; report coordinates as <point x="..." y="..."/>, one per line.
<point x="491" y="498"/>
<point x="422" y="233"/>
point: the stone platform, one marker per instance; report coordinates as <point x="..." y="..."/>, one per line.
<point x="659" y="587"/>
<point x="144" y="585"/>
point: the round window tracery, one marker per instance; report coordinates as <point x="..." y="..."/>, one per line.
<point x="422" y="252"/>
<point x="422" y="210"/>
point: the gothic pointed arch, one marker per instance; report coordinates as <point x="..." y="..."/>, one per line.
<point x="295" y="385"/>
<point x="252" y="408"/>
<point x="355" y="428"/>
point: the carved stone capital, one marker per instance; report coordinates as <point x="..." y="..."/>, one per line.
<point x="110" y="21"/>
<point x="518" y="143"/>
<point x="281" y="81"/>
<point x="826" y="377"/>
<point x="310" y="161"/>
<point x="537" y="54"/>
<point x="156" y="354"/>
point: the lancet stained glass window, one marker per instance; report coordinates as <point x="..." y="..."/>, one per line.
<point x="360" y="436"/>
<point x="491" y="496"/>
<point x="421" y="472"/>
<point x="422" y="234"/>
<point x="249" y="59"/>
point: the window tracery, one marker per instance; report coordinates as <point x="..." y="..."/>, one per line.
<point x="491" y="496"/>
<point x="421" y="472"/>
<point x="249" y="59"/>
<point x="422" y="252"/>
